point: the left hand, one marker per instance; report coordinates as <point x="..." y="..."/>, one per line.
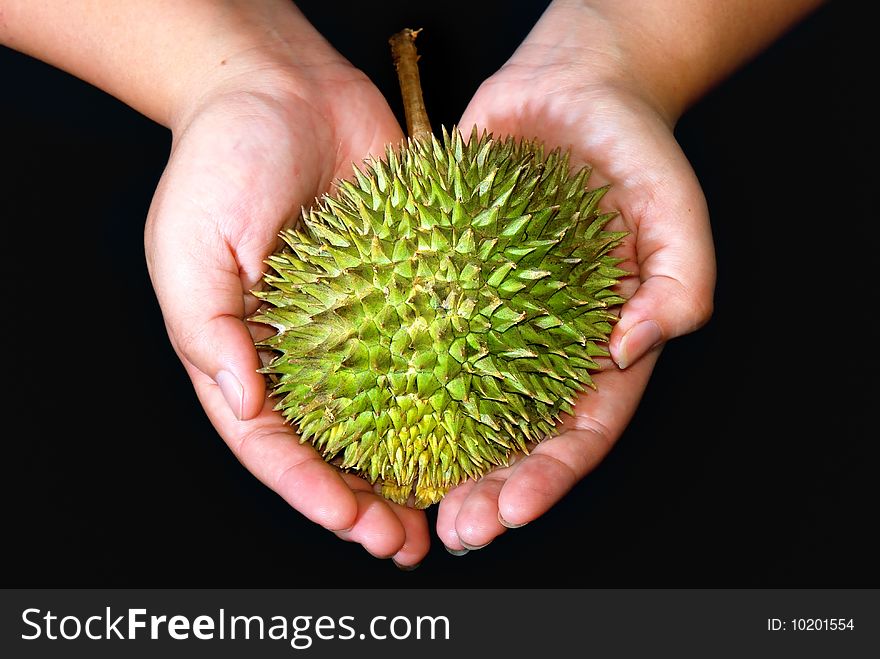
<point x="569" y="94"/>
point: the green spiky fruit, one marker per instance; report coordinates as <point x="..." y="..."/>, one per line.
<point x="441" y="310"/>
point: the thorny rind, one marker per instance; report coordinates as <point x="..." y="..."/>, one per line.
<point x="441" y="311"/>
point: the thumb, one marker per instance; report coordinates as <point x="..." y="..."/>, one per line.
<point x="204" y="302"/>
<point x="661" y="309"/>
<point x="677" y="273"/>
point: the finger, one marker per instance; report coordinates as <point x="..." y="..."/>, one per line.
<point x="477" y="523"/>
<point x="662" y="308"/>
<point x="209" y="332"/>
<point x="664" y="210"/>
<point x="233" y="178"/>
<point x="418" y="539"/>
<point x="268" y="448"/>
<point x="447" y="513"/>
<point x="199" y="286"/>
<point x="536" y="482"/>
<point x="376" y="527"/>
<point x="676" y="265"/>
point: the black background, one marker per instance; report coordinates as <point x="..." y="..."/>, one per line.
<point x="751" y="461"/>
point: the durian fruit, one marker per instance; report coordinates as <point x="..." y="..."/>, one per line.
<point x="443" y="308"/>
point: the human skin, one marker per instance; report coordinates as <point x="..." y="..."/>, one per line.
<point x="614" y="99"/>
<point x="265" y="114"/>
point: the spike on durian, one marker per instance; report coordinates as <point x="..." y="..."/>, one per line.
<point x="441" y="311"/>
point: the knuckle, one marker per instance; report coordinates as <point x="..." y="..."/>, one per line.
<point x="702" y="308"/>
<point x="188" y="338"/>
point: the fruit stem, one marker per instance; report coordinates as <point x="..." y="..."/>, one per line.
<point x="403" y="51"/>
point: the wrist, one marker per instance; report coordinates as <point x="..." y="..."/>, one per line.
<point x="162" y="57"/>
<point x="668" y="53"/>
<point x="588" y="48"/>
<point x="267" y="49"/>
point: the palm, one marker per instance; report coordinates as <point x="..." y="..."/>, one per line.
<point x="629" y="147"/>
<point x="239" y="172"/>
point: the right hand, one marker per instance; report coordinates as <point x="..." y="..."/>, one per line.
<point x="261" y="137"/>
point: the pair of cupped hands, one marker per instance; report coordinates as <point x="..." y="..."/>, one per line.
<point x="265" y="134"/>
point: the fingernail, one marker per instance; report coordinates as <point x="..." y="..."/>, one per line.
<point x="405" y="568"/>
<point x="232" y="392"/>
<point x="474" y="547"/>
<point x="509" y="525"/>
<point x="637" y="341"/>
<point x="457" y="552"/>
